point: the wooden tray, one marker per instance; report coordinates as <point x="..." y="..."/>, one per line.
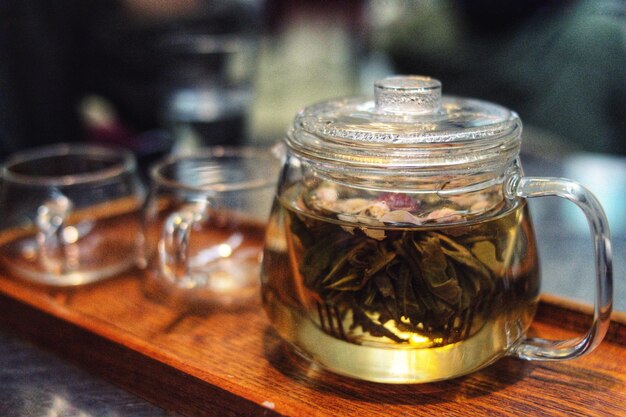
<point x="231" y="363"/>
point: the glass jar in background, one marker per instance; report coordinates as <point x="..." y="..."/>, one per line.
<point x="207" y="87"/>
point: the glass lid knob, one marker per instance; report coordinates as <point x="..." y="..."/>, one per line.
<point x="407" y="95"/>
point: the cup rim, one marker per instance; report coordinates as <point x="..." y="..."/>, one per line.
<point x="126" y="163"/>
<point x="215" y="152"/>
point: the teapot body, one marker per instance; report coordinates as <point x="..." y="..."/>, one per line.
<point x="397" y="283"/>
<point x="400" y="247"/>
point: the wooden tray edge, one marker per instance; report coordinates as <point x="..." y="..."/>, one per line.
<point x="38" y="320"/>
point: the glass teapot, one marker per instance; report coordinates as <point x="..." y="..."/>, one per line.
<point x="400" y="248"/>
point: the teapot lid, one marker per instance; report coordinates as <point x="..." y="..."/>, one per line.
<point x="408" y="123"/>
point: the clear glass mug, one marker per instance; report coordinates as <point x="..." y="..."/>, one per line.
<point x="70" y="214"/>
<point x="204" y="223"/>
<point x="400" y="247"/>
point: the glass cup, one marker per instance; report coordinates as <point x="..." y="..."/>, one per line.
<point x="70" y="214"/>
<point x="204" y="224"/>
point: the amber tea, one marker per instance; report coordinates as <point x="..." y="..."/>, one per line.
<point x="383" y="290"/>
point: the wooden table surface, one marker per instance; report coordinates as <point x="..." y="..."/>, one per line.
<point x="224" y="362"/>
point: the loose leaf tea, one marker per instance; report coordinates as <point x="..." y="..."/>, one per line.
<point x="399" y="287"/>
<point x="387" y="269"/>
<point x="425" y="282"/>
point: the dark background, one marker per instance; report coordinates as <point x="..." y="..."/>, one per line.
<point x="558" y="63"/>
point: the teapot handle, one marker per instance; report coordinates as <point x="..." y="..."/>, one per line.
<point x="550" y="350"/>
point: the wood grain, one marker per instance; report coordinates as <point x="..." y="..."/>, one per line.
<point x="227" y="361"/>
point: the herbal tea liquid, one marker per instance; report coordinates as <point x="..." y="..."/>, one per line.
<point x="395" y="302"/>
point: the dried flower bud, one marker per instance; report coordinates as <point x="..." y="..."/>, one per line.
<point x="397" y="201"/>
<point x="445" y="215"/>
<point x="401" y="216"/>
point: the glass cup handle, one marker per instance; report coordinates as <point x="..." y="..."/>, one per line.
<point x="173" y="247"/>
<point x="542" y="349"/>
<point x="51" y="243"/>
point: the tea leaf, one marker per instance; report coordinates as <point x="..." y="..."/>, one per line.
<point x="320" y="257"/>
<point x="481" y="275"/>
<point x="385" y="286"/>
<point x="350" y="282"/>
<point x="404" y="247"/>
<point x="428" y="282"/>
<point x="411" y="308"/>
<point x="379" y="263"/>
<point x="486" y="252"/>
<point x="433" y="266"/>
<point x="370" y="326"/>
<point x="346" y="255"/>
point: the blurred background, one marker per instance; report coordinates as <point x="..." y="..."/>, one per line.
<point x="227" y="71"/>
<point x="169" y="75"/>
